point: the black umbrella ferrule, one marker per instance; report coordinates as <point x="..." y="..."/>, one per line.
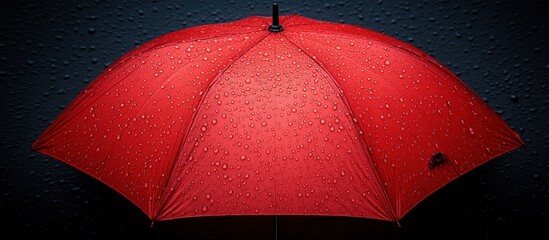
<point x="275" y="27"/>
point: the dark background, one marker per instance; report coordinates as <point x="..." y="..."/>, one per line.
<point x="50" y="51"/>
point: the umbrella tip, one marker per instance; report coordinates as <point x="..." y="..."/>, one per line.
<point x="275" y="27"/>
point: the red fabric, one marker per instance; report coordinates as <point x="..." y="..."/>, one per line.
<point x="319" y="119"/>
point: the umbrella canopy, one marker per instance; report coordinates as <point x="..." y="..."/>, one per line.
<point x="298" y="118"/>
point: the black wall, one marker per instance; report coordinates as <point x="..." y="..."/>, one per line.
<point x="51" y="50"/>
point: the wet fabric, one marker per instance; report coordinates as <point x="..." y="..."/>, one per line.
<point x="317" y="119"/>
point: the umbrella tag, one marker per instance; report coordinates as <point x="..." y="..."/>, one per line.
<point x="437" y="159"/>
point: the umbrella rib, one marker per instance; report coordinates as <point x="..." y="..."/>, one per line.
<point x="201" y="39"/>
<point x="162" y="202"/>
<point x="428" y="67"/>
<point x="71" y="107"/>
<point x="113" y="66"/>
<point x="142" y="106"/>
<point x="120" y="63"/>
<point x="347" y="105"/>
<point x="426" y="57"/>
<point x="370" y="71"/>
<point x="390" y="83"/>
<point x="430" y="63"/>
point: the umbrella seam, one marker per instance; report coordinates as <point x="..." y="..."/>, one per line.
<point x="484" y="105"/>
<point x="113" y="66"/>
<point x="346" y="103"/>
<point x="429" y="64"/>
<point x="390" y="85"/>
<point x="161" y="204"/>
<point x="79" y="97"/>
<point x="154" y="47"/>
<point x="423" y="56"/>
<point x="372" y="72"/>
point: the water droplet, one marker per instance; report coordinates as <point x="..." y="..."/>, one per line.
<point x="471" y="131"/>
<point x="243" y="157"/>
<point x="342" y="173"/>
<point x="387" y="62"/>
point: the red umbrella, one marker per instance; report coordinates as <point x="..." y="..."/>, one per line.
<point x="298" y="118"/>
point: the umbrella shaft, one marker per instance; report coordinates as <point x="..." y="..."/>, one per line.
<point x="276" y="227"/>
